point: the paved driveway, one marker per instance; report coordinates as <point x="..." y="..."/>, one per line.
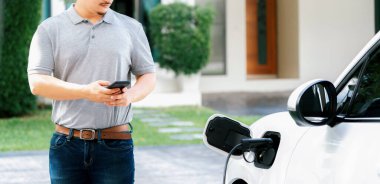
<point x="154" y="165"/>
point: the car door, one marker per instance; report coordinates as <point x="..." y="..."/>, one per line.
<point x="348" y="150"/>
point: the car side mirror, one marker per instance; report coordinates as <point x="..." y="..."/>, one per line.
<point x="313" y="103"/>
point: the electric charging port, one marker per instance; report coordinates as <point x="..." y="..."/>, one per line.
<point x="265" y="156"/>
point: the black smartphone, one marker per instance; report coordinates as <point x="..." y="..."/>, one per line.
<point x="119" y="84"/>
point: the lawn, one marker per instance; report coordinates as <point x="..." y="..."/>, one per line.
<point x="33" y="132"/>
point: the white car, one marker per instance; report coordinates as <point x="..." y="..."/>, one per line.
<point x="331" y="134"/>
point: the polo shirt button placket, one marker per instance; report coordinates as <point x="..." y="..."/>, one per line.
<point x="92" y="32"/>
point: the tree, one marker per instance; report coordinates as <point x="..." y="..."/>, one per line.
<point x="181" y="35"/>
<point x="20" y="19"/>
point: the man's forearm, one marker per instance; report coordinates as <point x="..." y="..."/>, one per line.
<point x="53" y="88"/>
<point x="143" y="86"/>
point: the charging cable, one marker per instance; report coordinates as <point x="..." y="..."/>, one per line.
<point x="228" y="158"/>
<point x="249" y="144"/>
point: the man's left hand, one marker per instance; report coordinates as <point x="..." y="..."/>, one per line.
<point x="123" y="99"/>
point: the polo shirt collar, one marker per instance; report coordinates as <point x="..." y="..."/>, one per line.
<point x="73" y="15"/>
<point x="76" y="19"/>
<point x="109" y="16"/>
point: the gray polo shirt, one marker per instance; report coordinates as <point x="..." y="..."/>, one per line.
<point x="74" y="50"/>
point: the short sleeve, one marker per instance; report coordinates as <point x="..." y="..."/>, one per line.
<point x="41" y="59"/>
<point x="141" y="56"/>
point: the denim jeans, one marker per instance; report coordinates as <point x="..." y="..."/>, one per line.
<point x="76" y="161"/>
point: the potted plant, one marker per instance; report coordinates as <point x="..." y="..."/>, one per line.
<point x="181" y="38"/>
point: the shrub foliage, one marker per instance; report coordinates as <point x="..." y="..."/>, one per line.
<point x="20" y="20"/>
<point x="181" y="36"/>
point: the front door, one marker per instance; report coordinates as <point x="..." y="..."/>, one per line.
<point x="261" y="32"/>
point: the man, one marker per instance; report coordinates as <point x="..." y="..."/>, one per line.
<point x="73" y="58"/>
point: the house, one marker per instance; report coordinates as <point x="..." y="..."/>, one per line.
<point x="264" y="46"/>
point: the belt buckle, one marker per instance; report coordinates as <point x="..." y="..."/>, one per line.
<point x="87" y="139"/>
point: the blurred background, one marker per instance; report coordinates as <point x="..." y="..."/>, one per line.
<point x="255" y="53"/>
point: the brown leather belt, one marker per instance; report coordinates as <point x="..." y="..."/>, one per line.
<point x="120" y="132"/>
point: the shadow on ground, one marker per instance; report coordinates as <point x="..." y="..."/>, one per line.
<point x="244" y="103"/>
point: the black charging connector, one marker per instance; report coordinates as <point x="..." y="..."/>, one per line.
<point x="255" y="145"/>
<point x="248" y="144"/>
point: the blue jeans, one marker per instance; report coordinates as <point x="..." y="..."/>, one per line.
<point x="97" y="161"/>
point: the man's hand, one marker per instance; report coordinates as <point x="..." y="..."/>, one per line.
<point x="144" y="85"/>
<point x="97" y="92"/>
<point x="123" y="99"/>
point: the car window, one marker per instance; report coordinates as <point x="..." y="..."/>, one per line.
<point x="367" y="99"/>
<point x="345" y="95"/>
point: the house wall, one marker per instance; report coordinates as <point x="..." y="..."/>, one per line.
<point x="57" y="7"/>
<point x="190" y="2"/>
<point x="331" y="34"/>
<point x="288" y="30"/>
<point x="317" y="39"/>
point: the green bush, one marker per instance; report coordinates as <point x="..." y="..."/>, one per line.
<point x="181" y="36"/>
<point x="20" y="20"/>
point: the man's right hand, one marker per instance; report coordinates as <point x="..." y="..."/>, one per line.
<point x="97" y="91"/>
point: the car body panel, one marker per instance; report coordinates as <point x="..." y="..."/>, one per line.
<point x="290" y="135"/>
<point x="346" y="153"/>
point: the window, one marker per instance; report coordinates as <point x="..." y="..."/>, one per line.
<point x="377" y="15"/>
<point x="366" y="101"/>
<point x="217" y="61"/>
<point x="346" y="94"/>
<point x="46" y="9"/>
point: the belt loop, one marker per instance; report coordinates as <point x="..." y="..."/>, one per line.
<point x="99" y="135"/>
<point x="71" y="132"/>
<point x="130" y="125"/>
